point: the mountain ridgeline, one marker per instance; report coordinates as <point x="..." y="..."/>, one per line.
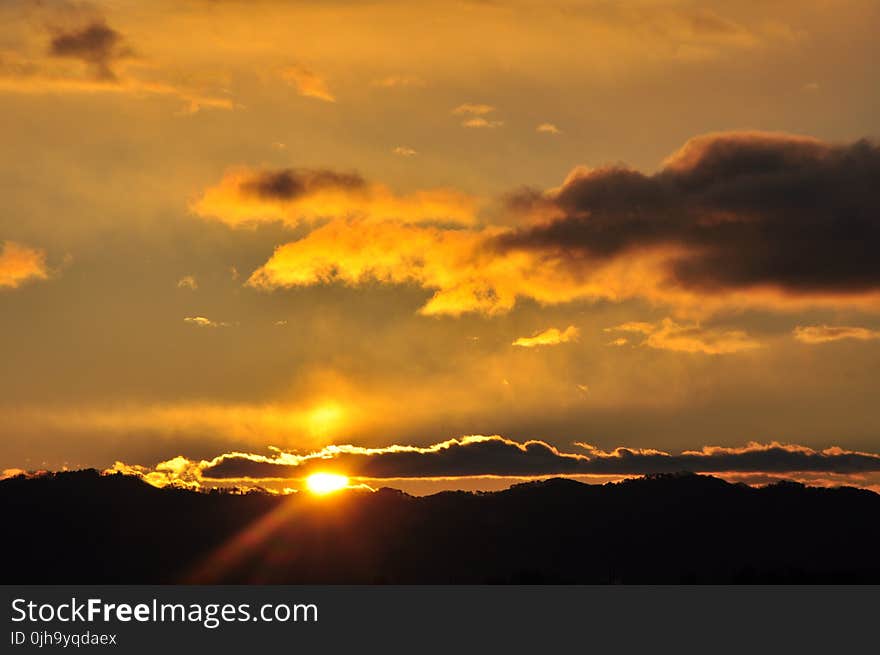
<point x="83" y="527"/>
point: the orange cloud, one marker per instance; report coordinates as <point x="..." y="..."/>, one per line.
<point x="176" y="472"/>
<point x="458" y="265"/>
<point x="19" y="264"/>
<point x="201" y="321"/>
<point x="815" y="334"/>
<point x="310" y="422"/>
<point x="188" y="282"/>
<point x="633" y="326"/>
<point x="679" y="238"/>
<point x="246" y="197"/>
<point x="694" y="339"/>
<point x="479" y="121"/>
<point x="686" y="338"/>
<point x="395" y="81"/>
<point x="44" y="84"/>
<point x="307" y="83"/>
<point x="473" y="109"/>
<point x="549" y="337"/>
<point x="477" y="112"/>
<point x="548" y="128"/>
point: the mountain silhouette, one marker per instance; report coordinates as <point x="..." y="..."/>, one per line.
<point x="84" y="527"/>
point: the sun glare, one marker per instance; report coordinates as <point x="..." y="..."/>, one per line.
<point x="325" y="419"/>
<point x="325" y="483"/>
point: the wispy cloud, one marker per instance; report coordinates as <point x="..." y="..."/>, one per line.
<point x="477" y="113"/>
<point x="397" y="81"/>
<point x="639" y="327"/>
<point x="307" y="83"/>
<point x="479" y="122"/>
<point x="187" y="282"/>
<point x="20" y="264"/>
<point x="549" y="337"/>
<point x="202" y="322"/>
<point x="474" y="109"/>
<point x="669" y="335"/>
<point x="815" y="334"/>
<point x="548" y="128"/>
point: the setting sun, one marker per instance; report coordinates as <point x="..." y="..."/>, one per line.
<point x="325" y="483"/>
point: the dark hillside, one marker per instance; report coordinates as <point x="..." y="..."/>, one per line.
<point x="81" y="527"/>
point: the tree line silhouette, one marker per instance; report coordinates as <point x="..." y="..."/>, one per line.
<point x="84" y="527"/>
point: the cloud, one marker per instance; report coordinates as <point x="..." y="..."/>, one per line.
<point x="815" y="334"/>
<point x="473" y="109"/>
<point x="477" y="112"/>
<point x="307" y="83"/>
<point x="731" y="221"/>
<point x="498" y="456"/>
<point x="398" y="81"/>
<point x="177" y="472"/>
<point x="548" y="128"/>
<point x="203" y="322"/>
<point x="107" y="58"/>
<point x="39" y="83"/>
<point x="288" y="184"/>
<point x="549" y="337"/>
<point x="308" y="419"/>
<point x="358" y="251"/>
<point x="460" y="265"/>
<point x="479" y="122"/>
<point x="295" y="195"/>
<point x="694" y="339"/>
<point x="20" y="264"/>
<point x="640" y="327"/>
<point x="95" y="44"/>
<point x="734" y="212"/>
<point x="669" y="335"/>
<point x="187" y="282"/>
<point x="5" y="474"/>
<point x="404" y="151"/>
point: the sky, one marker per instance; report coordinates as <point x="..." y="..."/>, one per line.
<point x="440" y="245"/>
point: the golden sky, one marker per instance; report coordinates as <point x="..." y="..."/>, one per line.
<point x="601" y="234"/>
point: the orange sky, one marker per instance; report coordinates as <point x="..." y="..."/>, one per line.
<point x="270" y="228"/>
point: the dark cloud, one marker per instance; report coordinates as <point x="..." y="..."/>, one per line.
<point x="290" y="183"/>
<point x="96" y="44"/>
<point x="499" y="456"/>
<point x="749" y="209"/>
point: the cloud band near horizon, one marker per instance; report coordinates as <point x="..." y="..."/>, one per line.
<point x="497" y="456"/>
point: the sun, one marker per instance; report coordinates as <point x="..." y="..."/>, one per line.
<point x="325" y="483"/>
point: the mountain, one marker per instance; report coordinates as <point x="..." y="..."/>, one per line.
<point x="83" y="527"/>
